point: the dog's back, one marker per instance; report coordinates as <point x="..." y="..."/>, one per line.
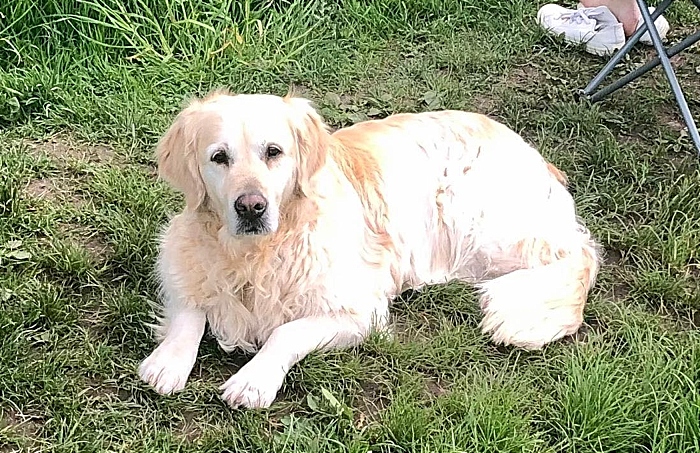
<point x="467" y="198"/>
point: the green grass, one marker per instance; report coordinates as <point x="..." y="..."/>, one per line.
<point x="86" y="89"/>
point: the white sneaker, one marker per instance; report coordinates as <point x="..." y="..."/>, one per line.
<point x="661" y="23"/>
<point x="597" y="27"/>
<point x="662" y="26"/>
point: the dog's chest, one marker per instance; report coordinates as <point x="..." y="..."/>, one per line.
<point x="283" y="287"/>
<point x="247" y="296"/>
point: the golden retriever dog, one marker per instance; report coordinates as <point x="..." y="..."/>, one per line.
<point x="295" y="239"/>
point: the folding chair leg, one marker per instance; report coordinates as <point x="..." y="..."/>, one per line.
<point x="670" y="75"/>
<point x="648" y="66"/>
<point x="662" y="58"/>
<point x="620" y="54"/>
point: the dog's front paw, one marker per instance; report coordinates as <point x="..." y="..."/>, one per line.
<point x="166" y="371"/>
<point x="254" y="386"/>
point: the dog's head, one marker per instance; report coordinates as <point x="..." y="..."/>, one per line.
<point x="243" y="157"/>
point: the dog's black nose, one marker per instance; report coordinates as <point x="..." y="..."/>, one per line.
<point x="250" y="206"/>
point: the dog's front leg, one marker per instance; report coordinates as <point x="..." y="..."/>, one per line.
<point x="170" y="364"/>
<point x="256" y="384"/>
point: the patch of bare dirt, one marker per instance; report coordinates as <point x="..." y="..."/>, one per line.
<point x="370" y="404"/>
<point x="41" y="188"/>
<point x="62" y="148"/>
<point x="484" y="104"/>
<point x="97" y="248"/>
<point x="669" y="115"/>
<point x="100" y="390"/>
<point x="612" y="257"/>
<point x="617" y="292"/>
<point x="54" y="190"/>
<point x="695" y="318"/>
<point x="20" y="423"/>
<point x="60" y="190"/>
<point x="524" y="75"/>
<point x="106" y="390"/>
<point x="188" y="428"/>
<point x="299" y="90"/>
<point x="435" y="387"/>
<point x="679" y="32"/>
<point x="94" y="244"/>
<point x="535" y="79"/>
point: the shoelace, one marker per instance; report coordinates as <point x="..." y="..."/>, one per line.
<point x="578" y="17"/>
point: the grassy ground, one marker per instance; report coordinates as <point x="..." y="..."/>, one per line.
<point x="87" y="87"/>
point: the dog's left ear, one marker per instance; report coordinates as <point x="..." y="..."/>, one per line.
<point x="312" y="137"/>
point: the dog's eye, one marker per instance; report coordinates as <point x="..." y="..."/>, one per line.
<point x="220" y="157"/>
<point x="272" y="151"/>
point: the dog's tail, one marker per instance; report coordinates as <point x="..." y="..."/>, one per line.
<point x="544" y="300"/>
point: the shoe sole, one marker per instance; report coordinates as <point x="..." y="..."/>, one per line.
<point x="601" y="51"/>
<point x="663" y="30"/>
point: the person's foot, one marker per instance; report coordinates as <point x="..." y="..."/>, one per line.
<point x="662" y="26"/>
<point x="597" y="27"/>
<point x="628" y="14"/>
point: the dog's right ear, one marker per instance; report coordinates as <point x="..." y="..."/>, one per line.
<point x="177" y="158"/>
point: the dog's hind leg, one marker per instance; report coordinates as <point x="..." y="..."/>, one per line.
<point x="541" y="300"/>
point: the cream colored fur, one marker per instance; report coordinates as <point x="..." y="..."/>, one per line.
<point x="354" y="218"/>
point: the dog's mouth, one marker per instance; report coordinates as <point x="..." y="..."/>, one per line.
<point x="252" y="228"/>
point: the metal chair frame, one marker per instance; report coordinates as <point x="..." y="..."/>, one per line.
<point x="663" y="55"/>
